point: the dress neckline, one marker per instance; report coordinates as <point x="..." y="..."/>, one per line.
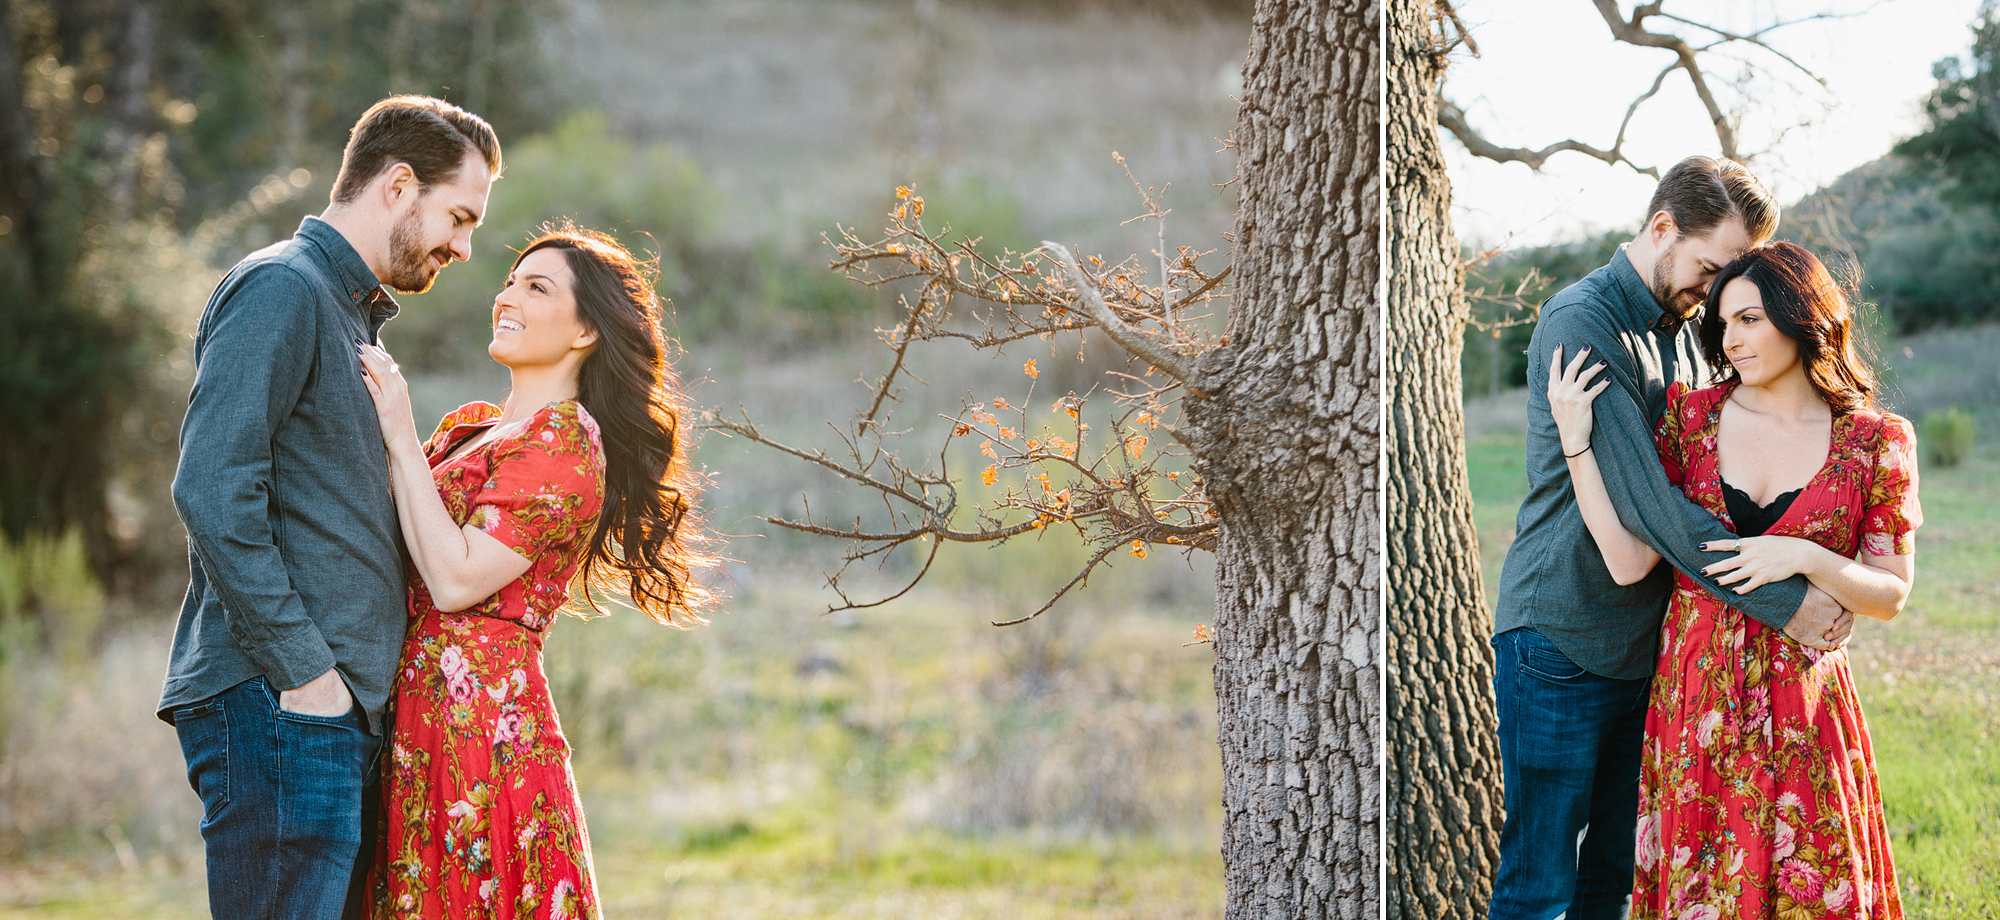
<point x="1834" y="432"/>
<point x="1784" y="498"/>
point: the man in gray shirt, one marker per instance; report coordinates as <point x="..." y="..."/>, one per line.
<point x="293" y="622"/>
<point x="1574" y="650"/>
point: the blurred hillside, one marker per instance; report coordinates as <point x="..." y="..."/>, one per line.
<point x="1916" y="261"/>
<point x="171" y="137"/>
<point x="912" y="754"/>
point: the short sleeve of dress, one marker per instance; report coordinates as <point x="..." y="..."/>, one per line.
<point x="1890" y="521"/>
<point x="545" y="487"/>
<point x="1669" y="437"/>
<point x="436" y="442"/>
<point x="472" y="413"/>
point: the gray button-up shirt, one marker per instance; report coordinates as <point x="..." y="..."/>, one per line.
<point x="295" y="556"/>
<point x="1554" y="579"/>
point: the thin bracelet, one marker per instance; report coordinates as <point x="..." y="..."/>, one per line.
<point x="1585" y="450"/>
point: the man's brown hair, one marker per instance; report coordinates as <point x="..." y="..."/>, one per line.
<point x="431" y="135"/>
<point x="1702" y="192"/>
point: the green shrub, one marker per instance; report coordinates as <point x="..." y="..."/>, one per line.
<point x="1947" y="436"/>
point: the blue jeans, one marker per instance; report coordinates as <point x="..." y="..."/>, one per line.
<point x="1569" y="759"/>
<point x="288" y="804"/>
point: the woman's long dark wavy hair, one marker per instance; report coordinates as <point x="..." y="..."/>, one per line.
<point x="648" y="543"/>
<point x="1803" y="300"/>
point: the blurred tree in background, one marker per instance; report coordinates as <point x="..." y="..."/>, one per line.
<point x="141" y="140"/>
<point x="1506" y="289"/>
<point x="1964" y="113"/>
<point x="1914" y="232"/>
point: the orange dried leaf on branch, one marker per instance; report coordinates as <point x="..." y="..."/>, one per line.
<point x="1029" y="368"/>
<point x="986" y="447"/>
<point x="990" y="475"/>
<point x="1139" y="548"/>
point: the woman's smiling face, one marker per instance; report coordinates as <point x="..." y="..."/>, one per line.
<point x="535" y="321"/>
<point x="1761" y="352"/>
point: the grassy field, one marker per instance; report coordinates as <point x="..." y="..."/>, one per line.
<point x="908" y="761"/>
<point x="1929" y="680"/>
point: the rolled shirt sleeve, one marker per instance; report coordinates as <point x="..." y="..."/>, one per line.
<point x="254" y="357"/>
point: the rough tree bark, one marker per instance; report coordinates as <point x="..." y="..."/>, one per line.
<point x="1444" y="760"/>
<point x="1287" y="439"/>
<point x="1281" y="418"/>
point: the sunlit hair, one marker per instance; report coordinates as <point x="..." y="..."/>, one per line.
<point x="431" y="135"/>
<point x="1702" y="192"/>
<point x="648" y="544"/>
<point x="1802" y="299"/>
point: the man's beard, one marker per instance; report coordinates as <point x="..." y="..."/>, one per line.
<point x="410" y="270"/>
<point x="1660" y="285"/>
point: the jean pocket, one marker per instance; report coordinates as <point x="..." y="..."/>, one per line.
<point x="204" y="734"/>
<point x="1545" y="661"/>
<point x="280" y="712"/>
<point x="344" y="720"/>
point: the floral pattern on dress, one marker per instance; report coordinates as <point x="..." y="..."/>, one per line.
<point x="480" y="814"/>
<point x="1758" y="795"/>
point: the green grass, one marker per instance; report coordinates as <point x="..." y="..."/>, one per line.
<point x="906" y="761"/>
<point x="789" y="871"/>
<point x="1497" y="467"/>
<point x="1929" y="680"/>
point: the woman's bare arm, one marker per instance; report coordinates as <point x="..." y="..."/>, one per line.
<point x="461" y="565"/>
<point x="1627" y="557"/>
<point x="1875" y="586"/>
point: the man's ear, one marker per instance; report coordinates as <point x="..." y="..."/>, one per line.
<point x="1661" y="228"/>
<point x="397" y="181"/>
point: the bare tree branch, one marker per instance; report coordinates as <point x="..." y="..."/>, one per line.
<point x="1128" y="338"/>
<point x="1116" y="492"/>
<point x="1631" y="31"/>
<point x="1453" y="120"/>
<point x="1443" y="12"/>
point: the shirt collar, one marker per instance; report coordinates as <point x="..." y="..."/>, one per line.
<point x="356" y="279"/>
<point x="1641" y="309"/>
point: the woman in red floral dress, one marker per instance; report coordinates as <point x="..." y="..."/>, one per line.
<point x="579" y="473"/>
<point x="1758" y="795"/>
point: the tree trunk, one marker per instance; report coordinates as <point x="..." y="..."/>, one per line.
<point x="1286" y="432"/>
<point x="58" y="360"/>
<point x="1444" y="758"/>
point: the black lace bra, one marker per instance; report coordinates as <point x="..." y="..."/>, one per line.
<point x="1751" y="518"/>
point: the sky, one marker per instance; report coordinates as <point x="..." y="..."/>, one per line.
<point x="1550" y="70"/>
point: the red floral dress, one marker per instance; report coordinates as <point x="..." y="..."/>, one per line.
<point x="1758" y="795"/>
<point x="480" y="816"/>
